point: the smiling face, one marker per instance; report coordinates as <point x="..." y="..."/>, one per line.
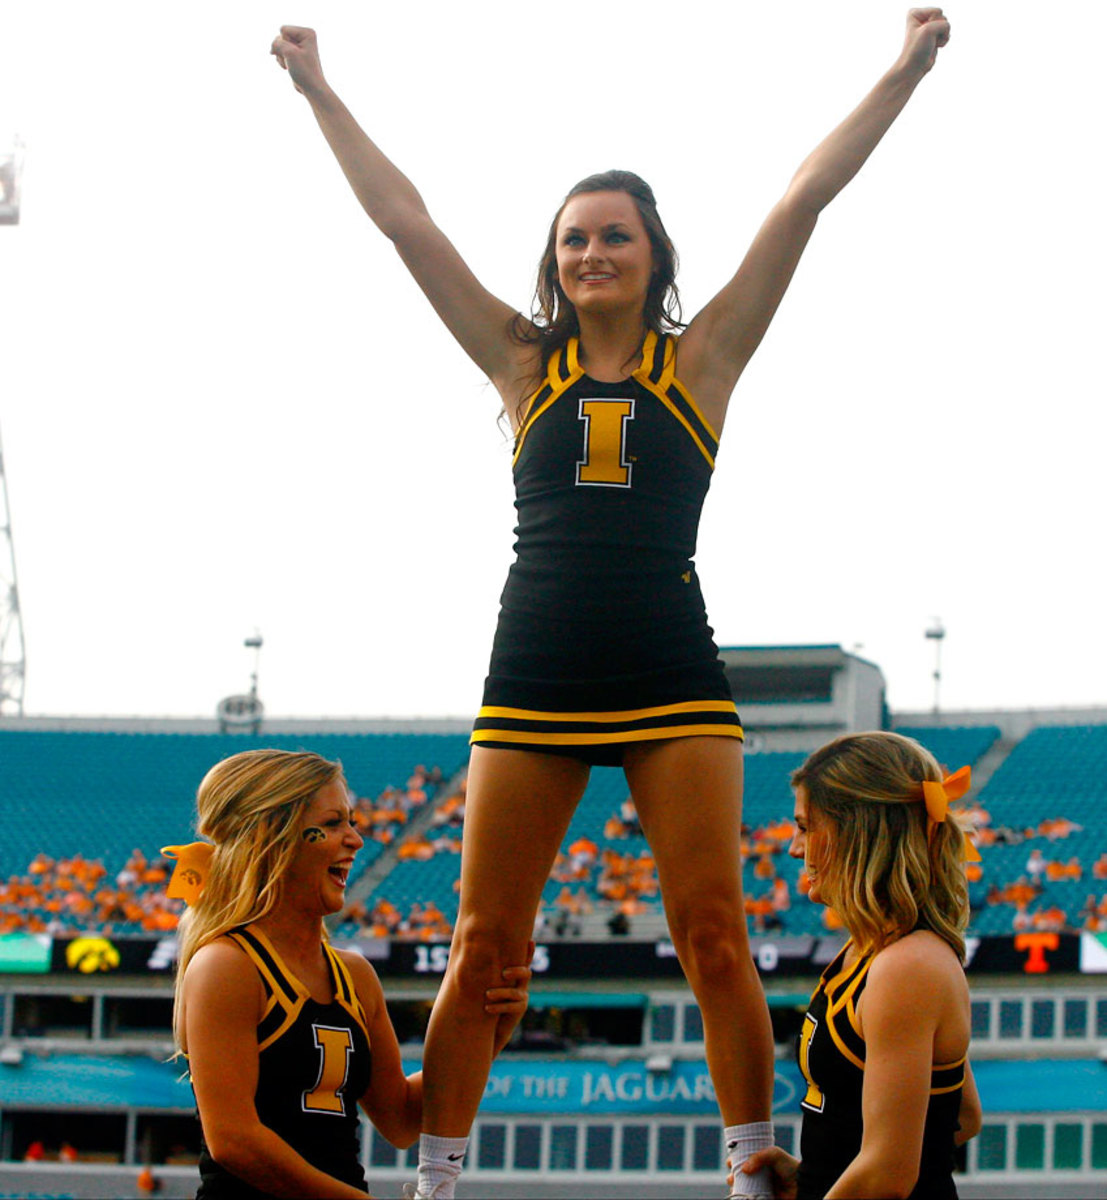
<point x="604" y="256"/>
<point x="329" y="840"/>
<point x="811" y="843"/>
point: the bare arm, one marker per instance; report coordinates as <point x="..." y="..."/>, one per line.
<point x="722" y="338"/>
<point x="917" y="976"/>
<point x="477" y="319"/>
<point x="222" y="1000"/>
<point x="393" y="1101"/>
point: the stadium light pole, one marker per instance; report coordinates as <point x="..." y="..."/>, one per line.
<point x="13" y="658"/>
<point x="255" y="643"/>
<point x="11" y="170"/>
<point x="937" y="633"/>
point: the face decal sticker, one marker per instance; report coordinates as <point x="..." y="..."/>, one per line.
<point x="313" y="834"/>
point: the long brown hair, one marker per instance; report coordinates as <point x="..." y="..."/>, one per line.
<point x="554" y="319"/>
<point x="889" y="874"/>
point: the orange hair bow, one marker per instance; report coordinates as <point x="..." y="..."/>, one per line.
<point x="191" y="871"/>
<point x="939" y="796"/>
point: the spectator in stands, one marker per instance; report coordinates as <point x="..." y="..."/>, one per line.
<point x="1091" y="919"/>
<point x="603" y="652"/>
<point x="582" y="856"/>
<point x="1058" y="827"/>
<point x="1036" y="865"/>
<point x="760" y="908"/>
<point x="624" y="823"/>
<point x="1053" y="919"/>
<point x="1021" y="891"/>
<point x="1002" y="835"/>
<point x="628" y="814"/>
<point x="618" y="924"/>
<point x="277" y="1024"/>
<point x="887" y="1098"/>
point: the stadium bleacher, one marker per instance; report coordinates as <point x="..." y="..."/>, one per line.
<point x="98" y="796"/>
<point x="141" y="787"/>
<point x="101" y="795"/>
<point x="767" y="802"/>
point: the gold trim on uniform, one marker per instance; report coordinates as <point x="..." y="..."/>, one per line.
<point x="287" y="991"/>
<point x="629" y="714"/>
<point x="841" y="993"/>
<point x="663" y="388"/>
<point x="603" y="739"/>
<point x="556" y="386"/>
<point x="665" y="384"/>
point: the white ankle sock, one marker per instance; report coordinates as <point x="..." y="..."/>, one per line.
<point x="440" y="1161"/>
<point x="741" y="1142"/>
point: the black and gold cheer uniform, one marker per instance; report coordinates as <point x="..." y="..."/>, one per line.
<point x="314" y="1065"/>
<point x="832" y="1058"/>
<point x="602" y="637"/>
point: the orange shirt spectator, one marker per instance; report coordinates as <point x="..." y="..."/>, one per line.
<point x="781" y="831"/>
<point x="764" y="868"/>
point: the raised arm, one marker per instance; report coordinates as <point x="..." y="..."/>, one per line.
<point x="720" y="341"/>
<point x="478" y="320"/>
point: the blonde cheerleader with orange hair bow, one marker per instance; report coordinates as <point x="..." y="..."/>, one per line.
<point x="287" y="1036"/>
<point x="884" y="1045"/>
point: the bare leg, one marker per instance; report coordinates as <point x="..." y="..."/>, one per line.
<point x="688" y="792"/>
<point x="518" y="806"/>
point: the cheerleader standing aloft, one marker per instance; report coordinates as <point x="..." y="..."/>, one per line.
<point x="603" y="653"/>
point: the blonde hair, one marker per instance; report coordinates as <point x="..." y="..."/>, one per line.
<point x="889" y="874"/>
<point x="248" y="805"/>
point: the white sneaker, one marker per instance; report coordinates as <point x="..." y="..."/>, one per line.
<point x="411" y="1192"/>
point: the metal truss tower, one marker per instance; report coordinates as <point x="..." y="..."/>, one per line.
<point x="12" y="656"/>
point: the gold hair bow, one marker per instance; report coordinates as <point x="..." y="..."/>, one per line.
<point x="938" y="796"/>
<point x="191" y="871"/>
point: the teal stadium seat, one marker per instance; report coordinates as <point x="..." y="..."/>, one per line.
<point x="101" y="795"/>
<point x="767" y="798"/>
<point x="956" y="746"/>
<point x="1055" y="771"/>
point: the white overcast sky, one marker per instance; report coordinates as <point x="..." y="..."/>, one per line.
<point x="225" y="407"/>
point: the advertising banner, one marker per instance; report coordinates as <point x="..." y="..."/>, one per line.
<point x="632" y="1088"/>
<point x="24" y="953"/>
<point x="1036" y="953"/>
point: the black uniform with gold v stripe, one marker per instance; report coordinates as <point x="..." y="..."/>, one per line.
<point x="602" y="637"/>
<point x="314" y="1064"/>
<point x="831" y="1054"/>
